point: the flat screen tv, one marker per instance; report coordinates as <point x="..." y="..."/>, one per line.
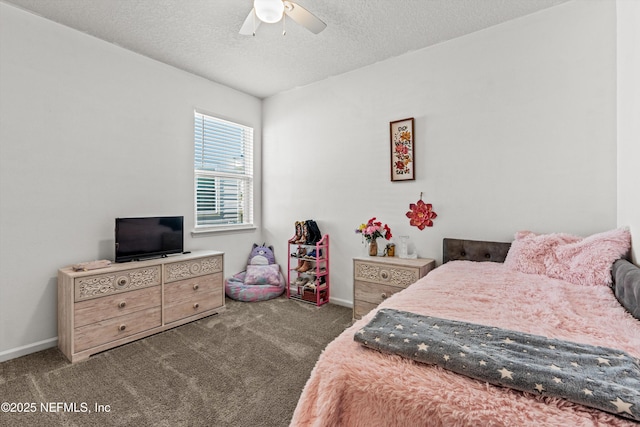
<point x="148" y="237"/>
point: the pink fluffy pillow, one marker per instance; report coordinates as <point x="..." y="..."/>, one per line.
<point x="588" y="261"/>
<point x="529" y="250"/>
<point x="262" y="275"/>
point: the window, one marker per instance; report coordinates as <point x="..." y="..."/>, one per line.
<point x="223" y="170"/>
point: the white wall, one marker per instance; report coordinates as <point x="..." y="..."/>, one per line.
<point x="628" y="12"/>
<point x="89" y="132"/>
<point x="515" y="129"/>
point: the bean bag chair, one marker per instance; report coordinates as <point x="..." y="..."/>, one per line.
<point x="262" y="280"/>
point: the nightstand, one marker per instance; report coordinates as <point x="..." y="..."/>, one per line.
<point x="377" y="278"/>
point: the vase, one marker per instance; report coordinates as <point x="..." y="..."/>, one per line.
<point x="373" y="247"/>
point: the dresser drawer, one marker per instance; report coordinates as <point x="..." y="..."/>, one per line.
<point x="195" y="304"/>
<point x="93" y="310"/>
<point x="189" y="297"/>
<point x="115" y="328"/>
<point x="177" y="271"/>
<point x="99" y="285"/>
<point x="368" y="295"/>
<point x="374" y="293"/>
<point x="185" y="290"/>
<point x="393" y="275"/>
<point x="361" y="308"/>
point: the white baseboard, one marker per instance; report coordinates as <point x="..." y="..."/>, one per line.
<point x="13" y="353"/>
<point x="340" y="301"/>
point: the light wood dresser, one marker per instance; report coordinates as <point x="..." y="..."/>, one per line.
<point x="104" y="308"/>
<point x="377" y="278"/>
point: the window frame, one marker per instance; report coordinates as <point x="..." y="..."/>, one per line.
<point x="245" y="198"/>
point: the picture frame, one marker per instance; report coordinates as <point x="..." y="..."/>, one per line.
<point x="402" y="150"/>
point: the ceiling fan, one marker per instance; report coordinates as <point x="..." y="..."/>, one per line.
<point x="272" y="11"/>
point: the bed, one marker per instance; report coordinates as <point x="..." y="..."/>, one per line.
<point x="483" y="283"/>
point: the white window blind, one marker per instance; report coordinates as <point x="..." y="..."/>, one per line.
<point x="223" y="169"/>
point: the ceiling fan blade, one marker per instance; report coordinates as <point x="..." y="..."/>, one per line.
<point x="251" y="24"/>
<point x="303" y="17"/>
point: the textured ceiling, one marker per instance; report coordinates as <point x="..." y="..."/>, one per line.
<point x="201" y="36"/>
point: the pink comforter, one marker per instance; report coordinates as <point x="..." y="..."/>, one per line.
<point x="354" y="386"/>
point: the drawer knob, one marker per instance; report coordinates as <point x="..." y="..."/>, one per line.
<point x="122" y="304"/>
<point x="122" y="281"/>
<point x="384" y="295"/>
<point x="196" y="306"/>
<point x="122" y="327"/>
<point x="196" y="287"/>
<point x="384" y="275"/>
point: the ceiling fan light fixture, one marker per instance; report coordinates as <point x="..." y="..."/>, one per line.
<point x="269" y="11"/>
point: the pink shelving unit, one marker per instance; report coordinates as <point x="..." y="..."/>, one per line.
<point x="308" y="271"/>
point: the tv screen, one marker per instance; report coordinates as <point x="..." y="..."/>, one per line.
<point x="149" y="237"/>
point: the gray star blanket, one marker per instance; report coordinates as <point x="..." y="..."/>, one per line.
<point x="597" y="377"/>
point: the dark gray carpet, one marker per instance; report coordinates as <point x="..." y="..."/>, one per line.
<point x="244" y="367"/>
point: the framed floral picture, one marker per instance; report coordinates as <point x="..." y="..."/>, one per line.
<point x="402" y="155"/>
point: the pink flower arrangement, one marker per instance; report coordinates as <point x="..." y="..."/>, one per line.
<point x="374" y="229"/>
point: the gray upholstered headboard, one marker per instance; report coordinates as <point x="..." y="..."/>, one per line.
<point x="626" y="285"/>
<point x="473" y="250"/>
